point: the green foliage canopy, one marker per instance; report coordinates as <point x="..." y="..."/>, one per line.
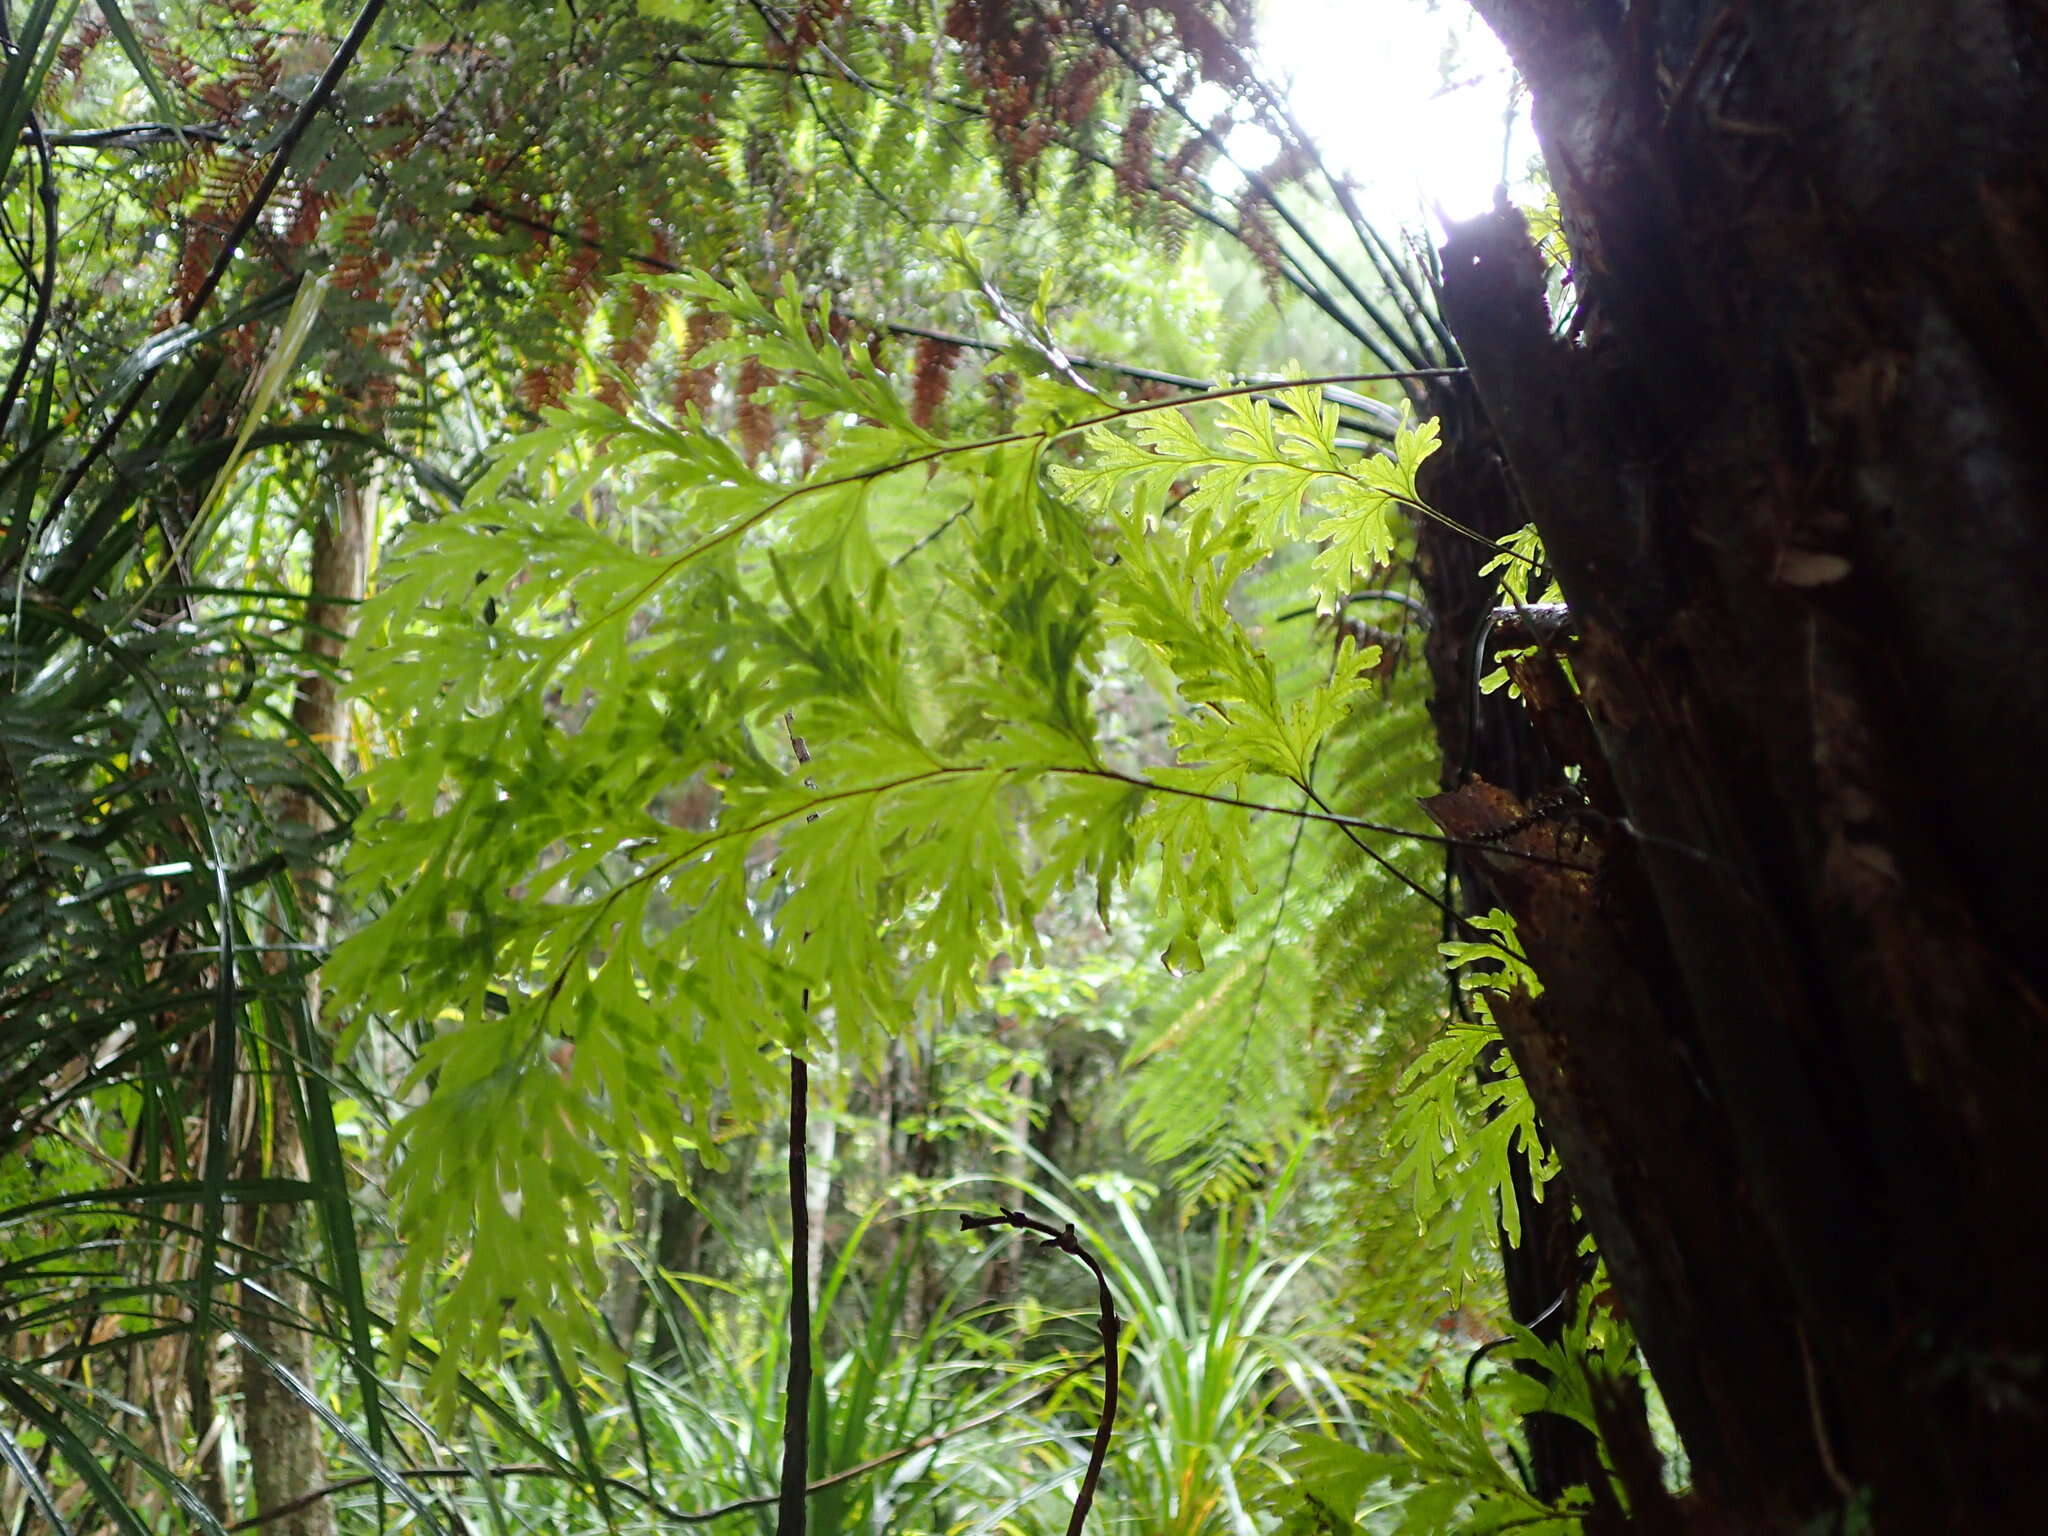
<point x="883" y="825"/>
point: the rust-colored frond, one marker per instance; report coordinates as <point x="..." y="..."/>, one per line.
<point x="755" y="421"/>
<point x="1189" y="161"/>
<point x="635" y="323"/>
<point x="545" y="384"/>
<point x="1217" y="49"/>
<point x="359" y="265"/>
<point x="308" y="209"/>
<point x="635" y="343"/>
<point x="1135" y="161"/>
<point x="1040" y="70"/>
<point x="694" y="385"/>
<point x="584" y="259"/>
<point x="934" y="366"/>
<point x="807" y="26"/>
<point x="1255" y="228"/>
<point x="72" y="55"/>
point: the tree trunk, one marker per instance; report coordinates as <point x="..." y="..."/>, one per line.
<point x="1792" y="468"/>
<point x="1491" y="736"/>
<point x="286" y="1460"/>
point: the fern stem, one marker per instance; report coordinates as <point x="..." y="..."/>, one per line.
<point x="1107" y="1323"/>
<point x="796" y="1413"/>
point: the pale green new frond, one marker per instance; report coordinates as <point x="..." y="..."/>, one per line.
<point x="1520" y="561"/>
<point x="675" y="798"/>
<point x="1463" y="1113"/>
<point x="1444" y="1477"/>
<point x="600" y="977"/>
<point x="1275" y="460"/>
<point x="784" y="335"/>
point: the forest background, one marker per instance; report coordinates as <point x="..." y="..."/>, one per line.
<point x="670" y="665"/>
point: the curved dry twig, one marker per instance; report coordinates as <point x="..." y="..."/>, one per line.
<point x="1107" y="1323"/>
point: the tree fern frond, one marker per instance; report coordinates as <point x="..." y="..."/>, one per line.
<point x="1222" y="1083"/>
<point x="1327" y="950"/>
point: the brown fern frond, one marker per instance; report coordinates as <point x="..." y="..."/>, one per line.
<point x="359" y="265"/>
<point x="1039" y="69"/>
<point x="171" y="61"/>
<point x="584" y="257"/>
<point x="1255" y="229"/>
<point x="177" y="183"/>
<point x="810" y="436"/>
<point x="634" y="331"/>
<point x="755" y="421"/>
<point x="807" y="27"/>
<point x="71" y="57"/>
<point x="1135" y="160"/>
<point x="243" y="346"/>
<point x="545" y="385"/>
<point x="308" y="212"/>
<point x="662" y="246"/>
<point x="1187" y="163"/>
<point x="195" y="259"/>
<point x="1218" y="55"/>
<point x="226" y="182"/>
<point x="934" y="365"/>
<point x="377" y="393"/>
<point x="694" y="385"/>
<point x="260" y="65"/>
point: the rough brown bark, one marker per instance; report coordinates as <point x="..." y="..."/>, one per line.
<point x="1792" y="467"/>
<point x="286" y="1460"/>
<point x="1491" y="736"/>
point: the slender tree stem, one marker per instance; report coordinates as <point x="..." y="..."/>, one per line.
<point x="796" y="1412"/>
<point x="43" y="286"/>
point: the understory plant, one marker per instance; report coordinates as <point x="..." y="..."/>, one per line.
<point x="900" y="758"/>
